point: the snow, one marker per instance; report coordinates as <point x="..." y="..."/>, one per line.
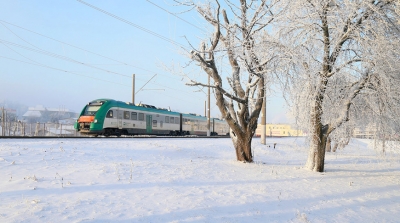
<point x="193" y="180"/>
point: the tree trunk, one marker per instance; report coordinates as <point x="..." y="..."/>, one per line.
<point x="242" y="144"/>
<point x="316" y="154"/>
<point x="328" y="145"/>
<point x="335" y="147"/>
<point x="344" y="142"/>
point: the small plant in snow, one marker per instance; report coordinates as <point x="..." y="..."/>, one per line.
<point x="117" y="172"/>
<point x="302" y="217"/>
<point x="62" y="180"/>
<point x="131" y="168"/>
<point x="31" y="178"/>
<point x="35" y="201"/>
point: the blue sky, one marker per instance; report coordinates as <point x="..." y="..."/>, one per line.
<point x="36" y="70"/>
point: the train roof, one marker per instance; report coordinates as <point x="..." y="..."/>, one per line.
<point x="112" y="102"/>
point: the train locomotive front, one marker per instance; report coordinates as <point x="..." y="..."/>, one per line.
<point x="92" y="117"/>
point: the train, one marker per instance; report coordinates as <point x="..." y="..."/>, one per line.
<point x="108" y="117"/>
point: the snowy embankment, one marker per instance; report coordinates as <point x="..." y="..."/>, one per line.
<point x="192" y="180"/>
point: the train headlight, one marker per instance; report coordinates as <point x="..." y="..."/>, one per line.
<point x="95" y="121"/>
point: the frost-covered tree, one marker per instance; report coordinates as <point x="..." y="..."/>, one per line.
<point x="343" y="65"/>
<point x="241" y="38"/>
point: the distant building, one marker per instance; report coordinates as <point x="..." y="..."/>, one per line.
<point x="279" y="130"/>
<point x="48" y="115"/>
<point x="367" y="132"/>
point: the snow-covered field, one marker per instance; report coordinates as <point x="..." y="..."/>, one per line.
<point x="193" y="180"/>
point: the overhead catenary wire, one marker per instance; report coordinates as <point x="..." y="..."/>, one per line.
<point x="72" y="60"/>
<point x="66" y="58"/>
<point x="71" y="72"/>
<point x="64" y="71"/>
<point x="2" y="22"/>
<point x="134" y="25"/>
<point x="59" y="57"/>
<point x="21" y="54"/>
<point x="154" y="33"/>
<point x="145" y="84"/>
<point x="68" y="44"/>
<point x="158" y="6"/>
<point x="48" y="53"/>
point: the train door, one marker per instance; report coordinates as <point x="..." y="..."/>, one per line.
<point x="119" y="117"/>
<point x="149" y="122"/>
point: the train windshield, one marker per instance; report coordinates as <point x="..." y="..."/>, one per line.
<point x="91" y="110"/>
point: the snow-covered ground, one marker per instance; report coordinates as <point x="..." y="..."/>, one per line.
<point x="193" y="180"/>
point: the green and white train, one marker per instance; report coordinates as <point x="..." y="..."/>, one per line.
<point x="115" y="118"/>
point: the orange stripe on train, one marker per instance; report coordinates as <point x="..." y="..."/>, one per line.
<point x="86" y="119"/>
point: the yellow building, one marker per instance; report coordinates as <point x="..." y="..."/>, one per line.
<point x="279" y="130"/>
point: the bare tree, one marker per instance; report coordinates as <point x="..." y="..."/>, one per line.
<point x="344" y="65"/>
<point x="244" y="42"/>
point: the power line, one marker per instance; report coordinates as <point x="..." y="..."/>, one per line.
<point x="134" y="25"/>
<point x="71" y="72"/>
<point x="149" y="31"/>
<point x="123" y="63"/>
<point x="66" y="58"/>
<point x="60" y="57"/>
<point x="175" y="15"/>
<point x="20" y="54"/>
<point x="146" y="83"/>
<point x="71" y="60"/>
<point x="64" y="71"/>
<point x="16" y="34"/>
<point x="97" y="54"/>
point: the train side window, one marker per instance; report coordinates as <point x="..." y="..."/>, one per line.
<point x="161" y="124"/>
<point x="172" y="119"/>
<point x="176" y="120"/>
<point x="154" y="123"/>
<point x="134" y="115"/>
<point x="141" y="117"/>
<point x="110" y="114"/>
<point x="166" y="119"/>
<point x="126" y="115"/>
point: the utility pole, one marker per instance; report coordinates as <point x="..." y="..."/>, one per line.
<point x="263" y="118"/>
<point x="133" y="88"/>
<point x="208" y="111"/>
<point x="2" y="122"/>
<point x="205" y="108"/>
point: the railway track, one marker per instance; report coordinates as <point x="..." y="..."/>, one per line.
<point x="111" y="137"/>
